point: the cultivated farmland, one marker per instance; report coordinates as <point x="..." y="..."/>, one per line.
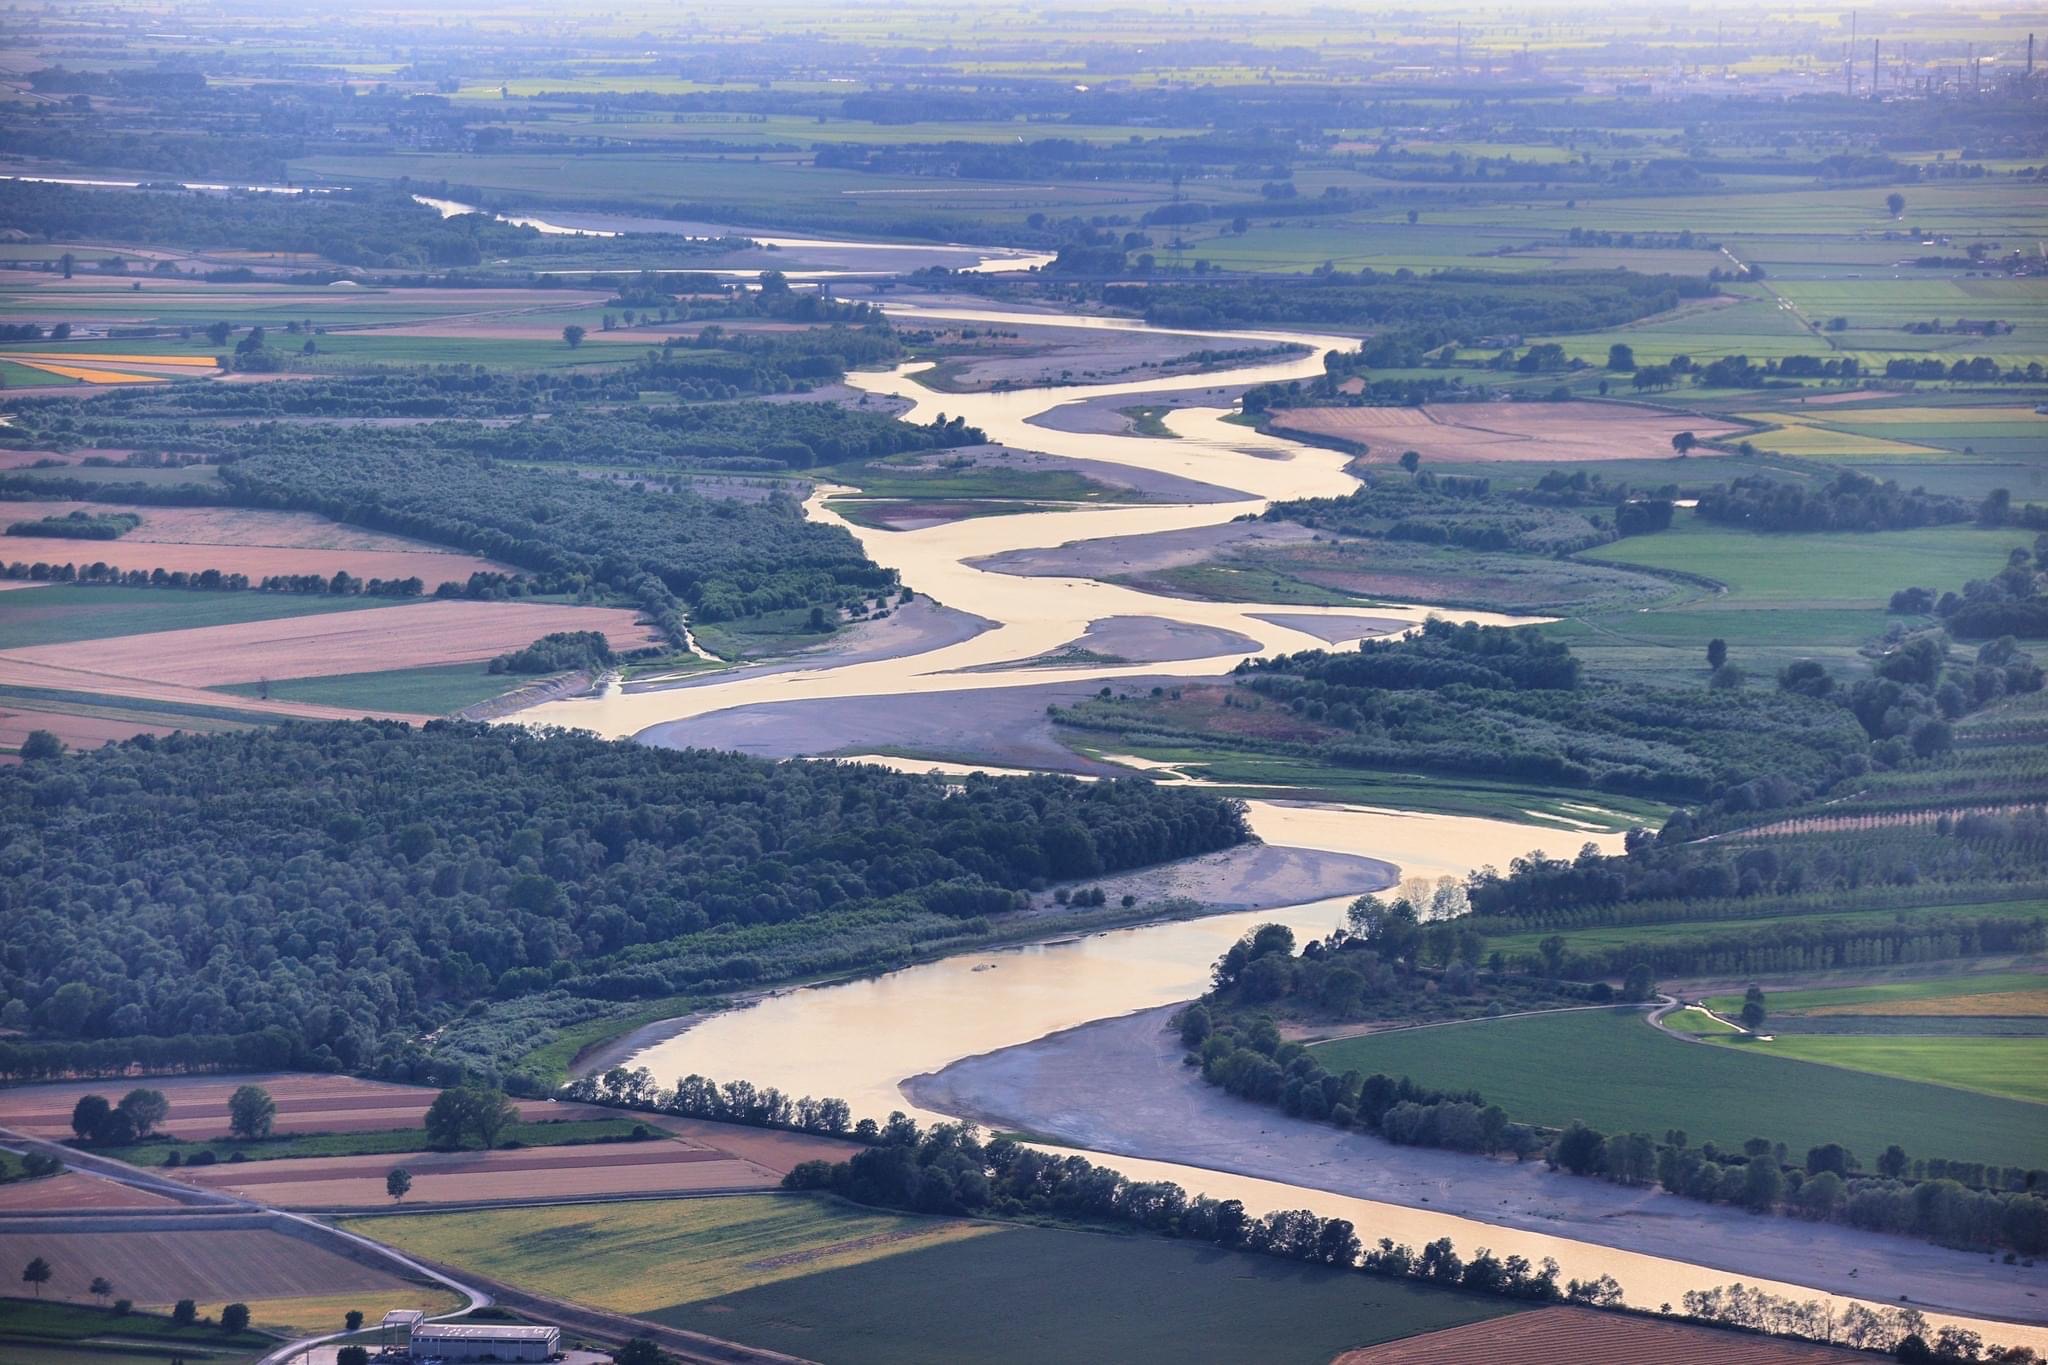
<point x="1580" y="1336"/>
<point x="1518" y="433"/>
<point x="1615" y="1073"/>
<point x="793" y="1274"/>
<point x="164" y="1261"/>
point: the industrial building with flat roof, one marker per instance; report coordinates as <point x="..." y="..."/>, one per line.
<point x="461" y="1341"/>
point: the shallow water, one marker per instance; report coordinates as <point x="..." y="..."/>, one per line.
<point x="860" y="1040"/>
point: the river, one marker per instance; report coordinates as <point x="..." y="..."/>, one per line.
<point x="861" y="1040"/>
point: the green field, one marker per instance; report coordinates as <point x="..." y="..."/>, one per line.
<point x="425" y="691"/>
<point x="65" y="612"/>
<point x="1836" y="569"/>
<point x="33" y="1333"/>
<point x="851" y="1286"/>
<point x="1610" y="1070"/>
<point x="2013" y="1067"/>
<point x="1621" y="935"/>
<point x="1893" y="992"/>
<point x="551" y="1133"/>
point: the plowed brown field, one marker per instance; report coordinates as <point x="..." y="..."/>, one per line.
<point x="305" y="1104"/>
<point x="75" y="1190"/>
<point x="374" y="639"/>
<point x="1584" y="1336"/>
<point x="207" y="1264"/>
<point x="1522" y="433"/>
<point x="238" y="540"/>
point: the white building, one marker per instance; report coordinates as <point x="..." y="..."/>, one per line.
<point x="461" y="1341"/>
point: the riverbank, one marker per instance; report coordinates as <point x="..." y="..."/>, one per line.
<point x="1119" y="1086"/>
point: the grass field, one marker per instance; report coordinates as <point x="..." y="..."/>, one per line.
<point x="1903" y="996"/>
<point x="1832" y="569"/>
<point x="64" y="613"/>
<point x="2012" y="1067"/>
<point x="1615" y="1073"/>
<point x="428" y="691"/>
<point x="42" y="1333"/>
<point x="807" y="1276"/>
<point x="1616" y="936"/>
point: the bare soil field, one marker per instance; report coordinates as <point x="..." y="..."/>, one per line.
<point x="305" y="1104"/>
<point x="158" y="1265"/>
<point x="414" y="635"/>
<point x="74" y="1191"/>
<point x="1585" y="1336"/>
<point x="663" y="1166"/>
<point x="1522" y="433"/>
<point x="770" y="1148"/>
<point x="29" y="459"/>
<point x="77" y="731"/>
<point x="238" y="540"/>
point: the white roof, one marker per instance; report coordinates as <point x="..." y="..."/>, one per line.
<point x="461" y="1331"/>
<point x="402" y="1317"/>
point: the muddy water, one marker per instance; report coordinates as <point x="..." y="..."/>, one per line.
<point x="862" y="1039"/>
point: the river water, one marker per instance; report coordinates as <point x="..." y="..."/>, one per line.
<point x="860" y="1040"/>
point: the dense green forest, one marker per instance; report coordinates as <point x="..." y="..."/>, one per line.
<point x="324" y="895"/>
<point x="1849" y="502"/>
<point x="1560" y="515"/>
<point x="1497" y="702"/>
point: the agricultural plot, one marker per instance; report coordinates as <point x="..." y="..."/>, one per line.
<point x="238" y="540"/>
<point x="1522" y="433"/>
<point x="1612" y="1071"/>
<point x="791" y="1274"/>
<point x="172" y="1259"/>
<point x="414" y="635"/>
<point x="49" y="1333"/>
<point x="73" y="1191"/>
<point x="1549" y="1336"/>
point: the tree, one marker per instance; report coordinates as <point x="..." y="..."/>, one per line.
<point x="101" y="1288"/>
<point x="1717" y="652"/>
<point x="1896" y="202"/>
<point x="219" y="332"/>
<point x="458" y="1112"/>
<point x="574" y="334"/>
<point x="1683" y="442"/>
<point x="145" y="1109"/>
<point x="397" y="1184"/>
<point x="41" y="744"/>
<point x="352" y="1321"/>
<point x="69" y="262"/>
<point x="234" y="1318"/>
<point x="251" y="1112"/>
<point x="1579" y="1149"/>
<point x="1411" y="460"/>
<point x="37" y="1275"/>
<point x="352" y="1355"/>
<point x="185" y="1313"/>
<point x="1892" y="1164"/>
<point x="640" y="1351"/>
<point x="1621" y="357"/>
<point x="1753" y="1010"/>
<point x="1640" y="984"/>
<point x="89" y="1115"/>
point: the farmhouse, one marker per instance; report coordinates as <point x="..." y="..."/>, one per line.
<point x="483" y="1341"/>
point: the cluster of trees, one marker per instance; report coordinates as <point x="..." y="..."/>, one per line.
<point x="342" y="584"/>
<point x="341" y="889"/>
<point x="1464" y="698"/>
<point x="1249" y="1059"/>
<point x="138" y="1114"/>
<point x="947" y="1168"/>
<point x="734" y="1102"/>
<point x="559" y="652"/>
<point x="1849" y="502"/>
<point x="2010" y="605"/>
<point x="1562" y="514"/>
<point x="465" y="1111"/>
<point x="79" y="525"/>
<point x="1977" y="369"/>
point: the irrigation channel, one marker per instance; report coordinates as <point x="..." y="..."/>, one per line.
<point x="862" y="1040"/>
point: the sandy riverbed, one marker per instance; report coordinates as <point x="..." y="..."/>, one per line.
<point x="1119" y="1086"/>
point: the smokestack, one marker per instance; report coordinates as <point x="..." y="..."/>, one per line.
<point x="2030" y="56"/>
<point x="1875" y="44"/>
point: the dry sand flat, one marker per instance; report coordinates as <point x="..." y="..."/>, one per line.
<point x="157" y="1262"/>
<point x="1585" y="1336"/>
<point x="374" y="639"/>
<point x="1561" y="433"/>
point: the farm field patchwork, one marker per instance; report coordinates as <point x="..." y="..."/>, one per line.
<point x="171" y="1260"/>
<point x="1537" y="1068"/>
<point x="1581" y="1336"/>
<point x="413" y="635"/>
<point x="61" y="613"/>
<point x="1552" y="433"/>
<point x="790" y="1273"/>
<point x="55" y="1333"/>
